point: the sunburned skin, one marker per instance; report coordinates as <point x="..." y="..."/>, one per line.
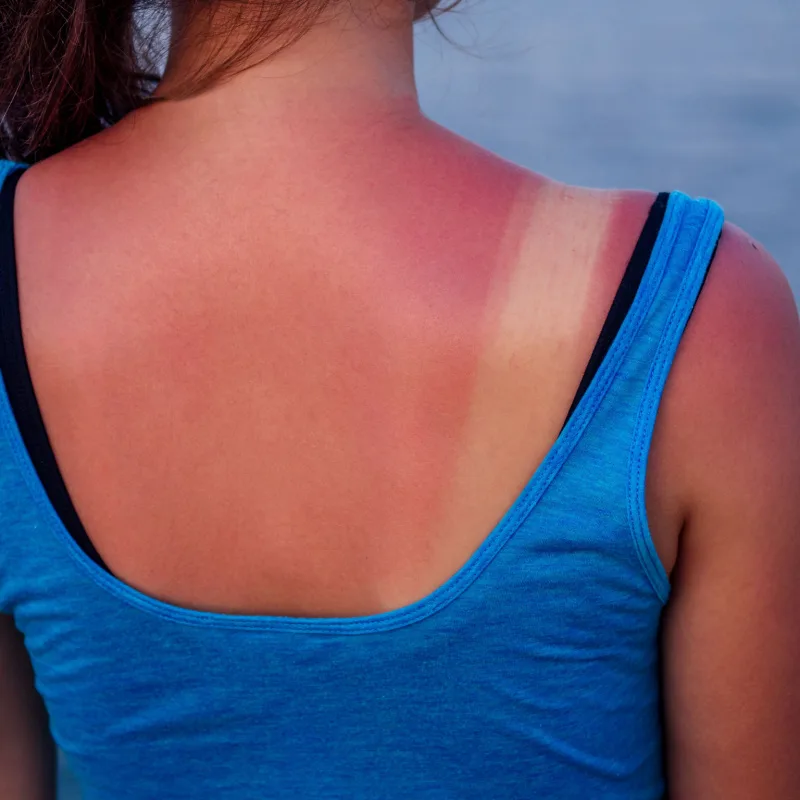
<point x="316" y="394"/>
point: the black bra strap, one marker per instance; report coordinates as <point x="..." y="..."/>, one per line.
<point x="17" y="378"/>
<point x="625" y="294"/>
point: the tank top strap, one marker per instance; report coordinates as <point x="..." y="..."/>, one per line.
<point x="7" y="167"/>
<point x="613" y="448"/>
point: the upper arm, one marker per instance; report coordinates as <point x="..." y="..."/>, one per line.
<point x="27" y="755"/>
<point x="731" y="633"/>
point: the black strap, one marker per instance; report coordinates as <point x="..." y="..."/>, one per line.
<point x="17" y="378"/>
<point x="625" y="295"/>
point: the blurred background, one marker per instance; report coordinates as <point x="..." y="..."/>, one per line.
<point x="697" y="95"/>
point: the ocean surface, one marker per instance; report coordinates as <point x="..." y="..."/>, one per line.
<point x="697" y="95"/>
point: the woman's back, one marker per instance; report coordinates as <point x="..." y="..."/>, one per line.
<point x="280" y="441"/>
<point x="305" y="394"/>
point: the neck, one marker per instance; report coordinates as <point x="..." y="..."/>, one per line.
<point x="356" y="63"/>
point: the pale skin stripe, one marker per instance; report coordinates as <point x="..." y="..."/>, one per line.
<point x="539" y="308"/>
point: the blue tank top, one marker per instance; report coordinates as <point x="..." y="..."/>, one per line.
<point x="531" y="672"/>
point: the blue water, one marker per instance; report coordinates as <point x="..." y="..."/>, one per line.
<point x="697" y="95"/>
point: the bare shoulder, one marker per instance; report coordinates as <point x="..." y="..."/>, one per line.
<point x="736" y="388"/>
<point x="731" y="640"/>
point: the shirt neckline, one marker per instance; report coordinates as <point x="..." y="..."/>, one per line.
<point x="457" y="583"/>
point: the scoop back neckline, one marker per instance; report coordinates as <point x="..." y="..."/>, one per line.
<point x="441" y="596"/>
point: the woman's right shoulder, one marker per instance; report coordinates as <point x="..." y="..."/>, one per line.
<point x="736" y="384"/>
<point x="731" y="409"/>
<point x="731" y="642"/>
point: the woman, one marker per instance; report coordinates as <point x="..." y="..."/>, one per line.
<point x="346" y="459"/>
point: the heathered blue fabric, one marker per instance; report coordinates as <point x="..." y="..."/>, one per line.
<point x="532" y="672"/>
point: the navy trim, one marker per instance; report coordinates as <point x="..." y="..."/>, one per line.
<point x="17" y="378"/>
<point x="625" y="294"/>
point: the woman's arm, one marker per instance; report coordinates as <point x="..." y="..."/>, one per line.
<point x="27" y="753"/>
<point x="731" y="631"/>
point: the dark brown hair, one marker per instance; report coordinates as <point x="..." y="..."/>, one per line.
<point x="69" y="68"/>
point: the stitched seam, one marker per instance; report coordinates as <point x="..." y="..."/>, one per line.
<point x="651" y="397"/>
